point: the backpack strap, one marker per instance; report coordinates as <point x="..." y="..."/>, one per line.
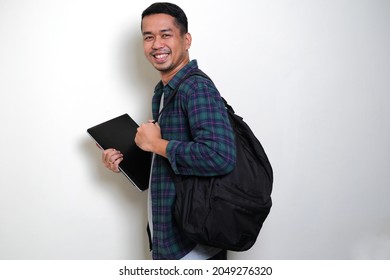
<point x="202" y="74"/>
<point x="197" y="72"/>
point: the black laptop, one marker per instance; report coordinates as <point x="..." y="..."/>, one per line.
<point x="119" y="133"/>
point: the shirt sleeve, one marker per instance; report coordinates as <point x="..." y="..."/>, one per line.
<point x="211" y="151"/>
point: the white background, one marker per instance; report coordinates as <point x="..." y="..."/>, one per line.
<point x="311" y="77"/>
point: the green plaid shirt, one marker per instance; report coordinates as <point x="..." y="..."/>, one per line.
<point x="201" y="143"/>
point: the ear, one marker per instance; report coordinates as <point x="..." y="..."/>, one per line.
<point x="188" y="40"/>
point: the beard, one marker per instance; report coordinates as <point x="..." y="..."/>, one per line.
<point x="163" y="67"/>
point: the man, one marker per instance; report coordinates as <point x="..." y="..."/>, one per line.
<point x="193" y="135"/>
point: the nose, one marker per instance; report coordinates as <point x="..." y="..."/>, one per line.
<point x="157" y="43"/>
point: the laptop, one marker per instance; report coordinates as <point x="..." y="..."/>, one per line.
<point x="119" y="133"/>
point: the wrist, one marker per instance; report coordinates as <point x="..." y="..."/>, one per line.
<point x="160" y="147"/>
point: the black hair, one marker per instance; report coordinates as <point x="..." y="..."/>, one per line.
<point x="170" y="9"/>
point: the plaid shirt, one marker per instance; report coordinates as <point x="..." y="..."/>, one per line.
<point x="201" y="143"/>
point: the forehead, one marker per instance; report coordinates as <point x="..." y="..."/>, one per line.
<point x="157" y="23"/>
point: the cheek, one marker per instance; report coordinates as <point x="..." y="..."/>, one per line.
<point x="147" y="46"/>
<point x="146" y="50"/>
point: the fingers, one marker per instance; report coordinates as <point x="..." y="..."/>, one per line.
<point x="147" y="135"/>
<point x="111" y="159"/>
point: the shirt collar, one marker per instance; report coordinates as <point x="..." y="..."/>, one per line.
<point x="172" y="84"/>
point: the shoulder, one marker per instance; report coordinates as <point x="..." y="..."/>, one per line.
<point x="197" y="84"/>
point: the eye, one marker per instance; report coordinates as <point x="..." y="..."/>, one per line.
<point x="166" y="36"/>
<point x="148" y="38"/>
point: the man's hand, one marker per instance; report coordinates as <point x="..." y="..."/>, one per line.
<point x="111" y="159"/>
<point x="148" y="138"/>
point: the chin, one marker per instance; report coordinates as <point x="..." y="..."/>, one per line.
<point x="162" y="67"/>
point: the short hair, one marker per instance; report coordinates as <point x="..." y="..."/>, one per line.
<point x="170" y="9"/>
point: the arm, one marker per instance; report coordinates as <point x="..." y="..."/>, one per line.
<point x="197" y="138"/>
<point x="211" y="149"/>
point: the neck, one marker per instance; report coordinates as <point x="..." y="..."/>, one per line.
<point x="166" y="76"/>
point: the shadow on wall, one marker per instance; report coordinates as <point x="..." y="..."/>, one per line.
<point x="119" y="189"/>
<point x="141" y="76"/>
<point x="145" y="73"/>
<point x="138" y="73"/>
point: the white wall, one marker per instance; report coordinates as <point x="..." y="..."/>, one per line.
<point x="309" y="76"/>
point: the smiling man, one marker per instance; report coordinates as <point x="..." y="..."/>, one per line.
<point x="193" y="136"/>
<point x="166" y="44"/>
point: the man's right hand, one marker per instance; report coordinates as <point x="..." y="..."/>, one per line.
<point x="111" y="159"/>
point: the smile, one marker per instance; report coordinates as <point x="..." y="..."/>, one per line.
<point x="160" y="58"/>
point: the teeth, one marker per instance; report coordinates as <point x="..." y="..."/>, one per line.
<point x="161" y="56"/>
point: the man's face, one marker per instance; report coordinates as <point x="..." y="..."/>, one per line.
<point x="164" y="46"/>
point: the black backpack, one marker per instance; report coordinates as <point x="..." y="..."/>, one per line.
<point x="227" y="211"/>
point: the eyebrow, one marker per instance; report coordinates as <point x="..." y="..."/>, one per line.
<point x="166" y="30"/>
<point x="161" y="31"/>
